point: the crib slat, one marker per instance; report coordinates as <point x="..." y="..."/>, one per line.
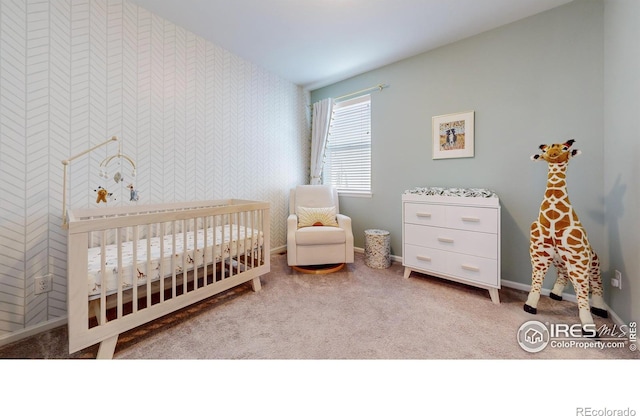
<point x="148" y="268"/>
<point x="258" y="236"/>
<point x="211" y="247"/>
<point x="203" y="225"/>
<point x="238" y="219"/>
<point x="134" y="268"/>
<point x="223" y="252"/>
<point x="162" y="259"/>
<point x="248" y="235"/>
<point x="253" y="236"/>
<point x="184" y="257"/>
<point x="237" y="242"/>
<point x="102" y="319"/>
<point x="195" y="251"/>
<point x="214" y="228"/>
<point x="173" y="260"/>
<point x="245" y="224"/>
<point x="261" y="228"/>
<point x="120" y="273"/>
<point x="205" y="250"/>
<point x="230" y="245"/>
<point x="242" y="241"/>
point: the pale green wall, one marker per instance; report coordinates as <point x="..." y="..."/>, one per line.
<point x="622" y="151"/>
<point x="534" y="81"/>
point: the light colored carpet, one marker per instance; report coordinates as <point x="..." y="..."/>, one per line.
<point x="357" y="313"/>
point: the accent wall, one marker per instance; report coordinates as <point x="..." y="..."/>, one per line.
<point x="200" y="122"/>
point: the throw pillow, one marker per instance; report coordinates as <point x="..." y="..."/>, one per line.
<point x="310" y="217"/>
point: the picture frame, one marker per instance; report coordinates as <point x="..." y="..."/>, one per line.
<point x="453" y="135"/>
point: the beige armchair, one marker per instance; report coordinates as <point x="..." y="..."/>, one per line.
<point x="317" y="234"/>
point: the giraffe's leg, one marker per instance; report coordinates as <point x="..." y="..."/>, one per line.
<point x="531" y="305"/>
<point x="561" y="280"/>
<point x="541" y="257"/>
<point x="578" y="271"/>
<point x="598" y="307"/>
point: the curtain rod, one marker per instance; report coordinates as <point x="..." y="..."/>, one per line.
<point x="378" y="87"/>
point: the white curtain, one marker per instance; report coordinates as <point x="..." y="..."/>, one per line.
<point x="319" y="132"/>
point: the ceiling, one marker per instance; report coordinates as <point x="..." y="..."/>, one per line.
<point x="314" y="43"/>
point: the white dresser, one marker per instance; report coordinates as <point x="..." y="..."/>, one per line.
<point x="453" y="237"/>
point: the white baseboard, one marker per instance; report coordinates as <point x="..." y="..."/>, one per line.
<point x="527" y="288"/>
<point x="279" y="250"/>
<point x="571" y="297"/>
<point x="57" y="322"/>
<point x="32" y="330"/>
<point x="395" y="259"/>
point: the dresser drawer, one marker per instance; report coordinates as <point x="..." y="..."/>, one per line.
<point x="458" y="241"/>
<point x="425" y="214"/>
<point x="424" y="258"/>
<point x="477" y="269"/>
<point x="472" y="218"/>
<point x="461" y="266"/>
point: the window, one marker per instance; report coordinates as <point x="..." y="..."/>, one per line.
<point x="347" y="163"/>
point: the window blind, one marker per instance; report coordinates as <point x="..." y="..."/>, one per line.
<point x="347" y="163"/>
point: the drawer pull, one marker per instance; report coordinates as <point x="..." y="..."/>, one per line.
<point x="423" y="258"/>
<point x="471" y="268"/>
<point x="470" y="219"/>
<point x="423" y="214"/>
<point x="445" y="240"/>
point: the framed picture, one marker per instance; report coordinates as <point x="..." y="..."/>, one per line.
<point x="453" y="135"/>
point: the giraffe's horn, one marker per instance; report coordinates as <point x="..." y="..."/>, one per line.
<point x="569" y="143"/>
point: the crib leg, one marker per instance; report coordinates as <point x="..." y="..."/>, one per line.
<point x="107" y="348"/>
<point x="255" y="284"/>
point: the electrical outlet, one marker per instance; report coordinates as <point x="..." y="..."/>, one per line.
<point x="616" y="280"/>
<point x="43" y="284"/>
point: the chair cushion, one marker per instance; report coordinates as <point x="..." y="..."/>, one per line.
<point x="310" y="217"/>
<point x="320" y="235"/>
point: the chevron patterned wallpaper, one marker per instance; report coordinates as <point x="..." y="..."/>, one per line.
<point x="200" y="123"/>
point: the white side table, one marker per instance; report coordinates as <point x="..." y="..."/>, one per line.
<point x="377" y="248"/>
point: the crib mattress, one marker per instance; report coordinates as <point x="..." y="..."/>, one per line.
<point x="236" y="240"/>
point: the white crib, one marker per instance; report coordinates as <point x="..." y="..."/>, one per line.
<point x="130" y="265"/>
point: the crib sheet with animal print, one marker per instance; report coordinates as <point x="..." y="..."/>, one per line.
<point x="229" y="240"/>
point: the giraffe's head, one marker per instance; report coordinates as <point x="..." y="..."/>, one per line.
<point x="556" y="153"/>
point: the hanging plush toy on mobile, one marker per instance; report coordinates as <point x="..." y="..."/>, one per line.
<point x="103" y="194"/>
<point x="133" y="193"/>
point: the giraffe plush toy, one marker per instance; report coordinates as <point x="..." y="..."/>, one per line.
<point x="558" y="237"/>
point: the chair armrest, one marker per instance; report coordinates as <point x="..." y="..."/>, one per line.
<point x="292" y="222"/>
<point x="344" y="221"/>
<point x="292" y="226"/>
